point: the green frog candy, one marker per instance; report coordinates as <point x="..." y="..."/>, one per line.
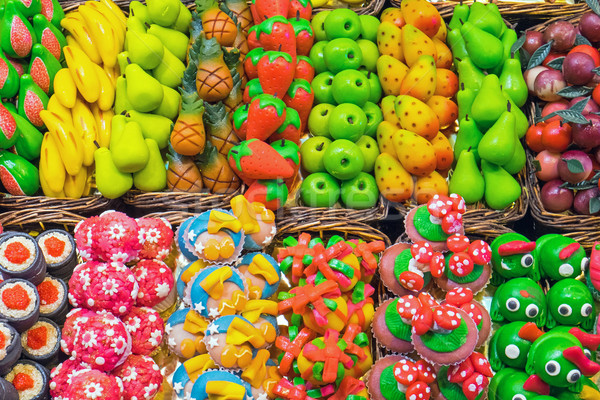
<point x="507" y="384"/>
<point x="507" y="348"/>
<point x="570" y="303"/>
<point x="512" y="257"/>
<point x="557" y="361"/>
<point x="589" y="392"/>
<point x="560" y="257"/>
<point x="519" y="299"/>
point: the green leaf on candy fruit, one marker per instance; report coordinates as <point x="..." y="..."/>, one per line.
<point x="596" y="70"/>
<point x="537" y="165"/>
<point x="557" y="63"/>
<point x="594" y="5"/>
<point x="574" y="166"/>
<point x="580" y="105"/>
<point x="540" y="55"/>
<point x="517" y="45"/>
<point x="594" y="205"/>
<point x="538" y="110"/>
<point x="572" y="116"/>
<point x="579" y="40"/>
<point x="570" y="92"/>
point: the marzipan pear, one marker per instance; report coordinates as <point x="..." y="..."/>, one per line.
<point x="498" y="144"/>
<point x="144" y="92"/>
<point x="501" y="189"/>
<point x="129" y="151"/>
<point x="153" y="126"/>
<point x="466" y="179"/>
<point x="111" y="182"/>
<point x="153" y="177"/>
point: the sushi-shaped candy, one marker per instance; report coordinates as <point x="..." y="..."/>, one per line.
<point x="214" y="236"/>
<point x="10" y="347"/>
<point x="30" y="379"/>
<point x="258" y="222"/>
<point x="188" y="372"/>
<point x="156" y="285"/>
<point x="61" y="376"/>
<point x="262" y="274"/>
<point x="7" y="390"/>
<point x="115" y="238"/>
<point x="54" y="303"/>
<point x="185" y="331"/>
<point x="146" y="328"/>
<point x="156" y="236"/>
<point x="231" y="341"/>
<point x="59" y="250"/>
<point x="102" y="341"/>
<point x="93" y="385"/>
<point x="41" y="342"/>
<point x="216" y="291"/>
<point x="141" y="377"/>
<point x="99" y="287"/>
<point x="19" y="303"/>
<point x="215" y="383"/>
<point x="21" y="257"/>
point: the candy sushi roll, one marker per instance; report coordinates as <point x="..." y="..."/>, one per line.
<point x="30" y="379"/>
<point x="8" y="391"/>
<point x="19" y="303"/>
<point x="54" y="302"/>
<point x="41" y="342"/>
<point x="59" y="250"/>
<point x="21" y="257"/>
<point x="10" y="347"/>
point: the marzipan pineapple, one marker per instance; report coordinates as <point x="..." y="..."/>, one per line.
<point x="216" y="23"/>
<point x="217" y="175"/>
<point x="183" y="175"/>
<point x="219" y="128"/>
<point x="213" y="78"/>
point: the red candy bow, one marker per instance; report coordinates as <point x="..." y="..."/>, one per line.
<point x="288" y="390"/>
<point x="367" y="252"/>
<point x="292" y="349"/>
<point x="310" y="294"/>
<point x="321" y="259"/>
<point x="297" y="253"/>
<point x="331" y="356"/>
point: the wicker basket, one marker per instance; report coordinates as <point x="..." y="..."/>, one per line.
<point x="36" y="220"/>
<point x="300" y="212"/>
<point x="373" y="7"/>
<point x="84" y="206"/>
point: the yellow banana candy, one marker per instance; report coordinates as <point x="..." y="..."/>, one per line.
<point x="83" y="73"/>
<point x="107" y="90"/>
<point x="69" y="143"/>
<point x="48" y="192"/>
<point x="89" y="182"/>
<point x="111" y="17"/>
<point x="75" y="25"/>
<point x="65" y="89"/>
<point x="72" y="42"/>
<point x="51" y="166"/>
<point x="103" y="34"/>
<point x="56" y="107"/>
<point x="113" y="73"/>
<point x="103" y="123"/>
<point x="85" y="126"/>
<point x="75" y="185"/>
<point x="117" y="12"/>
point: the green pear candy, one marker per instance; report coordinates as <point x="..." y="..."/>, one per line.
<point x="521" y="122"/>
<point x="501" y="189"/>
<point x="468" y="137"/>
<point x="144" y="49"/>
<point x="498" y="144"/>
<point x="481" y="17"/>
<point x="169" y="107"/>
<point x="464" y="99"/>
<point x="122" y="103"/>
<point x="129" y="150"/>
<point x="489" y="103"/>
<point x="485" y="50"/>
<point x="466" y="180"/>
<point x="153" y="126"/>
<point x="457" y="45"/>
<point x="163" y="12"/>
<point x="170" y="71"/>
<point x="182" y="24"/>
<point x="153" y="177"/>
<point x="517" y="162"/>
<point x="513" y="83"/>
<point x="469" y="75"/>
<point x="144" y="92"/>
<point x="111" y="182"/>
<point x="459" y="16"/>
<point x="177" y="42"/>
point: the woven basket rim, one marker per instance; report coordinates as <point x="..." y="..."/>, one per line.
<point x="38" y="219"/>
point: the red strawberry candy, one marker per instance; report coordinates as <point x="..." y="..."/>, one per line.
<point x="457" y="243"/>
<point x="273" y="193"/>
<point x="255" y="159"/>
<point x="265" y="115"/>
<point x="251" y="62"/>
<point x="269" y="8"/>
<point x="300" y="97"/>
<point x="304" y="35"/>
<point x="300" y="9"/>
<point x="252" y="39"/>
<point x="290" y="129"/>
<point x="290" y="151"/>
<point x="277" y="34"/>
<point x="304" y="69"/>
<point x="240" y="121"/>
<point x="276" y="72"/>
<point x="480" y="252"/>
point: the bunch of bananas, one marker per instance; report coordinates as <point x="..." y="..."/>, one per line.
<point x="79" y="113"/>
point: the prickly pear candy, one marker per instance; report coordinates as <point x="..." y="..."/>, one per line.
<point x="43" y="68"/>
<point x="32" y="100"/>
<point x="423" y="15"/>
<point x="389" y="40"/>
<point x="388" y="108"/>
<point x="444" y="54"/>
<point x="8" y="128"/>
<point x="421" y="79"/>
<point x="385" y="133"/>
<point x="415" y="44"/>
<point x="443" y="152"/>
<point x="416" y="154"/>
<point x="18" y="36"/>
<point x="393" y="181"/>
<point x="19" y="176"/>
<point x="446" y="83"/>
<point x="393" y="15"/>
<point x="417" y="117"/>
<point x="9" y="78"/>
<point x="428" y="186"/>
<point x="445" y="109"/>
<point x="391" y="72"/>
<point x="49" y="36"/>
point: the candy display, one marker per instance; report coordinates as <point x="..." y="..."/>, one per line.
<point x="54" y="302"/>
<point x="41" y="342"/>
<point x="22" y="258"/>
<point x="58" y="248"/>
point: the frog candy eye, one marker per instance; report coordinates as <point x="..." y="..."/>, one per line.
<point x="585" y="263"/>
<point x="566" y="270"/>
<point x="519" y="396"/>
<point x="512" y="304"/>
<point x="527" y="261"/>
<point x="573" y="376"/>
<point x="565" y="310"/>
<point x="587" y="353"/>
<point x="532" y="311"/>
<point x="552" y="368"/>
<point x="586" y="310"/>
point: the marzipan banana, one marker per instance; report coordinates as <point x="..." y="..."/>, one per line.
<point x="113" y="73"/>
<point x="65" y="89"/>
<point x="107" y="90"/>
<point x="103" y="123"/>
<point x="51" y="166"/>
<point x="110" y="16"/>
<point x="116" y="10"/>
<point x="69" y="143"/>
<point x="103" y="34"/>
<point x="56" y="107"/>
<point x="75" y="185"/>
<point x="83" y="72"/>
<point x="85" y="126"/>
<point x="75" y="25"/>
<point x="46" y="188"/>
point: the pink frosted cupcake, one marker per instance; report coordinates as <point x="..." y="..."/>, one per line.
<point x="94" y="385"/>
<point x="75" y="317"/>
<point x="115" y="238"/>
<point x="141" y="377"/>
<point x="102" y="342"/>
<point x="146" y="328"/>
<point x="156" y="236"/>
<point x="111" y="287"/>
<point x="62" y="374"/>
<point x="83" y="237"/>
<point x="156" y="285"/>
